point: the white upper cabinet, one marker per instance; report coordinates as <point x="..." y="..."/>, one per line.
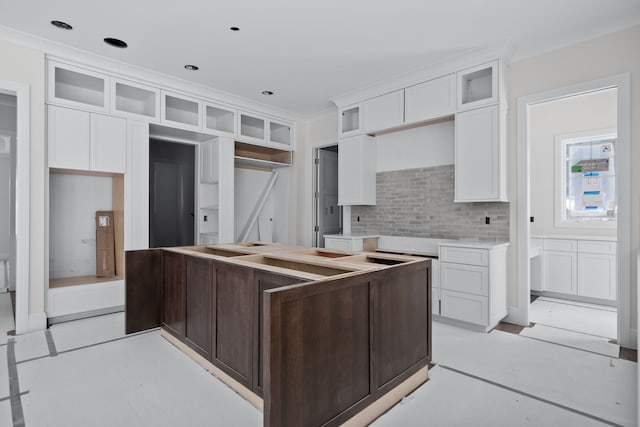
<point x="262" y="130"/>
<point x="77" y="87"/>
<point x="478" y="86"/>
<point x="108" y="144"/>
<point x="383" y="112"/>
<point x="181" y="111"/>
<point x="430" y="100"/>
<point x="219" y="120"/>
<point x="68" y="133"/>
<point x="86" y="141"/>
<point x="480" y="156"/>
<point x="357" y="160"/>
<point x="135" y="100"/>
<point x="349" y="121"/>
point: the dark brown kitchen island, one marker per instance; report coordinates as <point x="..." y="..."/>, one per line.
<point x="323" y="337"/>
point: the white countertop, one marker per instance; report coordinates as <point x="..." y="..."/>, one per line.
<point x="575" y="237"/>
<point x="352" y="236"/>
<point x="478" y="244"/>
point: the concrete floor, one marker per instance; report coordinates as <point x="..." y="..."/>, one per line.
<point x="87" y="373"/>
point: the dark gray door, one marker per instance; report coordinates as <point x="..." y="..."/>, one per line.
<point x="171" y="194"/>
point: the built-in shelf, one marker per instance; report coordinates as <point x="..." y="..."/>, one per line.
<point x="81" y="280"/>
<point x="138" y="100"/>
<point x="261" y="157"/>
<point x="78" y="87"/>
<point x="280" y="133"/>
<point x="478" y="86"/>
<point x="350" y="120"/>
<point x="181" y="111"/>
<point x="220" y="119"/>
<point x="252" y="127"/>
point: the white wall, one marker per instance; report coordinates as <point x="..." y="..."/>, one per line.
<point x="23" y="65"/>
<point x="605" y="56"/>
<point x="593" y="111"/>
<point x="420" y="147"/>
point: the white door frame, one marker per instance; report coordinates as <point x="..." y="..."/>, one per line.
<point x="625" y="336"/>
<point x="23" y="142"/>
<point x="310" y="179"/>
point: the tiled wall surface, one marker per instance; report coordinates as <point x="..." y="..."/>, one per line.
<point x="419" y="203"/>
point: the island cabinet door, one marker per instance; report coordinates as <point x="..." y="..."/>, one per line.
<point x="402" y="307"/>
<point x="143" y="281"/>
<point x="233" y="321"/>
<point x="198" y="316"/>
<point x="264" y="281"/>
<point x="173" y="293"/>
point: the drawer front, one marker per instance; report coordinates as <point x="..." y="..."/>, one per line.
<point x="465" y="307"/>
<point x="464" y="278"/>
<point x="464" y="255"/>
<point x="347" y="245"/>
<point x="565" y="245"/>
<point x="597" y="247"/>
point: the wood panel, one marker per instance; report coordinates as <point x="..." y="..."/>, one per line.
<point x="333" y="347"/>
<point x="317" y="353"/>
<point x="234" y="315"/>
<point x="173" y="293"/>
<point x="143" y="284"/>
<point x="199" y="279"/>
<point x="403" y="310"/>
<point x="263" y="282"/>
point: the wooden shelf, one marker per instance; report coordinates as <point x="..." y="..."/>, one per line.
<point x="81" y="280"/>
<point x="261" y="157"/>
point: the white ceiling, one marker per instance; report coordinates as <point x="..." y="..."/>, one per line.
<point x="310" y="51"/>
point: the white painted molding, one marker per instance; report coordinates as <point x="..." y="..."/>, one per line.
<point x="134" y="73"/>
<point x="310" y="183"/>
<point x="37" y="322"/>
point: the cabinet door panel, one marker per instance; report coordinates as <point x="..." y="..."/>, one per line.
<point x="143" y="284"/>
<point x="263" y="282"/>
<point x="464" y="278"/>
<point x="560" y="272"/>
<point x="198" y="316"/>
<point x="430" y="100"/>
<point x="173" y="293"/>
<point x="465" y="307"/>
<point x="383" y="112"/>
<point x="477" y="156"/>
<point x="69" y="135"/>
<point x="357" y="171"/>
<point x="597" y="276"/>
<point x="234" y="311"/>
<point x="108" y="144"/>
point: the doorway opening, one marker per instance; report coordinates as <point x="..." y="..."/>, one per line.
<point x="172" y="177"/>
<point x="8" y="130"/>
<point x="327" y="215"/>
<point x="573" y="233"/>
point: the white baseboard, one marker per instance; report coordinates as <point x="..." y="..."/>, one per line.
<point x="37" y="322"/>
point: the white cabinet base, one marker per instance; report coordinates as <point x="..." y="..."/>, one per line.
<point x="76" y="300"/>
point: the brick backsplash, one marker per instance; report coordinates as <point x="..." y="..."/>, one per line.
<point x="419" y="203"/>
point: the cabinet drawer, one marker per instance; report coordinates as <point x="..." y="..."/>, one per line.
<point x="464" y="255"/>
<point x="465" y="307"/>
<point x="597" y="247"/>
<point x="564" y="245"/>
<point x="464" y="278"/>
<point x="338" y="244"/>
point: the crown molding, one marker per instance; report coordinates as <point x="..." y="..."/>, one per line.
<point x="81" y="58"/>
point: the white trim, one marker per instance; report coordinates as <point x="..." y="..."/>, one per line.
<point x="623" y="83"/>
<point x="22" y="210"/>
<point x="37" y="322"/>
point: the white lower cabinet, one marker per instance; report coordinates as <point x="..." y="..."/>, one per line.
<point x="473" y="283"/>
<point x="560" y="272"/>
<point x="348" y="243"/>
<point x="579" y="267"/>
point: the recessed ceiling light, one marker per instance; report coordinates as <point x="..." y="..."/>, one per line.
<point x="62" y="25"/>
<point x="115" y="42"/>
<point x="234" y="28"/>
<point x="267" y="92"/>
<point x="191" y="67"/>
